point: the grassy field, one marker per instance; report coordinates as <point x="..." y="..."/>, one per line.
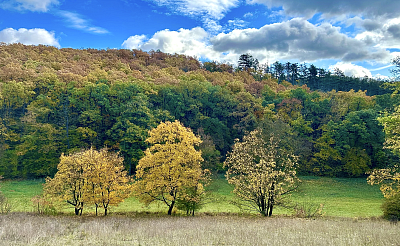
<point x="29" y="229"/>
<point x="341" y="197"/>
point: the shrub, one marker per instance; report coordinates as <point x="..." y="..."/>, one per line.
<point x="391" y="208"/>
<point x="5" y="206"/>
<point x="308" y="209"/>
<point x="43" y="206"/>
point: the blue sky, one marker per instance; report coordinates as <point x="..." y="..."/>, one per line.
<point x="359" y="36"/>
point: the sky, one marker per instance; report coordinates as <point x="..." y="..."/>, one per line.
<point x="360" y="37"/>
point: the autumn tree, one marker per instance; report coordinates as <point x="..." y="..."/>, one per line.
<point x="262" y="167"/>
<point x="389" y="178"/>
<point x="68" y="183"/>
<point x="170" y="167"/>
<point x="89" y="177"/>
<point x="107" y="181"/>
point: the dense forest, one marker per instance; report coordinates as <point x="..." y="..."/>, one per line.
<point x="55" y="101"/>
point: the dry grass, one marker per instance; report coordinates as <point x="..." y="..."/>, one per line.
<point x="29" y="229"/>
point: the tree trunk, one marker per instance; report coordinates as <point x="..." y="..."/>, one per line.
<point x="171" y="207"/>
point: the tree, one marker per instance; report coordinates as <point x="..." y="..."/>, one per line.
<point x="107" y="181"/>
<point x="247" y="61"/>
<point x="262" y="167"/>
<point x="170" y="166"/>
<point x="68" y="184"/>
<point x="389" y="178"/>
<point x="396" y="71"/>
<point x="89" y="177"/>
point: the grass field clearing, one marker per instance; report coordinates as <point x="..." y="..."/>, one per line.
<point x="341" y="197"/>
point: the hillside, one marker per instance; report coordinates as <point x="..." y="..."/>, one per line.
<point x="55" y="101"/>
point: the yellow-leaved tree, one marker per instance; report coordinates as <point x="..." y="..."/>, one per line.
<point x="389" y="178"/>
<point x="171" y="166"/>
<point x="89" y="177"/>
<point x="262" y="167"/>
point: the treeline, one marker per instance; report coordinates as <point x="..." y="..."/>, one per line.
<point x="55" y="101"/>
<point x="303" y="74"/>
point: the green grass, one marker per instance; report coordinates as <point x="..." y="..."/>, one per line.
<point x="341" y="197"/>
<point x="20" y="193"/>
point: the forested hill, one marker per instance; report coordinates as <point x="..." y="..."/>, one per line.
<point x="55" y="101"/>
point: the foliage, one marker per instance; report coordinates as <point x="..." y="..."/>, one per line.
<point x="308" y="209"/>
<point x="43" y="205"/>
<point x="388" y="179"/>
<point x="5" y="206"/>
<point x="171" y="167"/>
<point x="391" y="125"/>
<point x="55" y="101"/>
<point x="89" y="177"/>
<point x="391" y="208"/>
<point x="262" y="167"/>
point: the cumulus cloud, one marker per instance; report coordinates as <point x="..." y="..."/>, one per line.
<point x="350" y="69"/>
<point x="134" y="42"/>
<point x="387" y="36"/>
<point x="77" y="21"/>
<point x="31" y="5"/>
<point x="298" y="39"/>
<point x="28" y="36"/>
<point x="388" y="8"/>
<point x="192" y="42"/>
<point x="183" y="41"/>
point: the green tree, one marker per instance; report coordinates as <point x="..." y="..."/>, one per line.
<point x="262" y="167"/>
<point x="170" y="166"/>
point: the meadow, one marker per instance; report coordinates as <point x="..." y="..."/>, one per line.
<point x="30" y="229"/>
<point x="341" y="197"/>
<point x="351" y="217"/>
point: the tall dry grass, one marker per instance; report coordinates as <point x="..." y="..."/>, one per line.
<point x="29" y="229"/>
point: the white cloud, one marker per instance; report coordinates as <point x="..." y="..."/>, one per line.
<point x="192" y="42"/>
<point x="350" y="69"/>
<point x="209" y="11"/>
<point x="215" y="9"/>
<point x="386" y="36"/>
<point x="308" y="8"/>
<point x="297" y="39"/>
<point x="28" y="36"/>
<point x="237" y="23"/>
<point x="381" y="77"/>
<point x="134" y="42"/>
<point x="76" y="21"/>
<point x="31" y="5"/>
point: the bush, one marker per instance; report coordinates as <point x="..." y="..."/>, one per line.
<point x="5" y="206"/>
<point x="43" y="206"/>
<point x="308" y="209"/>
<point x="391" y="208"/>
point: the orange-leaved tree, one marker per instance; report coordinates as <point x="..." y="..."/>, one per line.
<point x="89" y="177"/>
<point x="170" y="167"/>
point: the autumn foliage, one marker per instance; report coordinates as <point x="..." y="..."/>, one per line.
<point x="171" y="168"/>
<point x="262" y="168"/>
<point x="90" y="177"/>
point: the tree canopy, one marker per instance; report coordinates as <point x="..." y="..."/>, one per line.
<point x="262" y="167"/>
<point x="171" y="165"/>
